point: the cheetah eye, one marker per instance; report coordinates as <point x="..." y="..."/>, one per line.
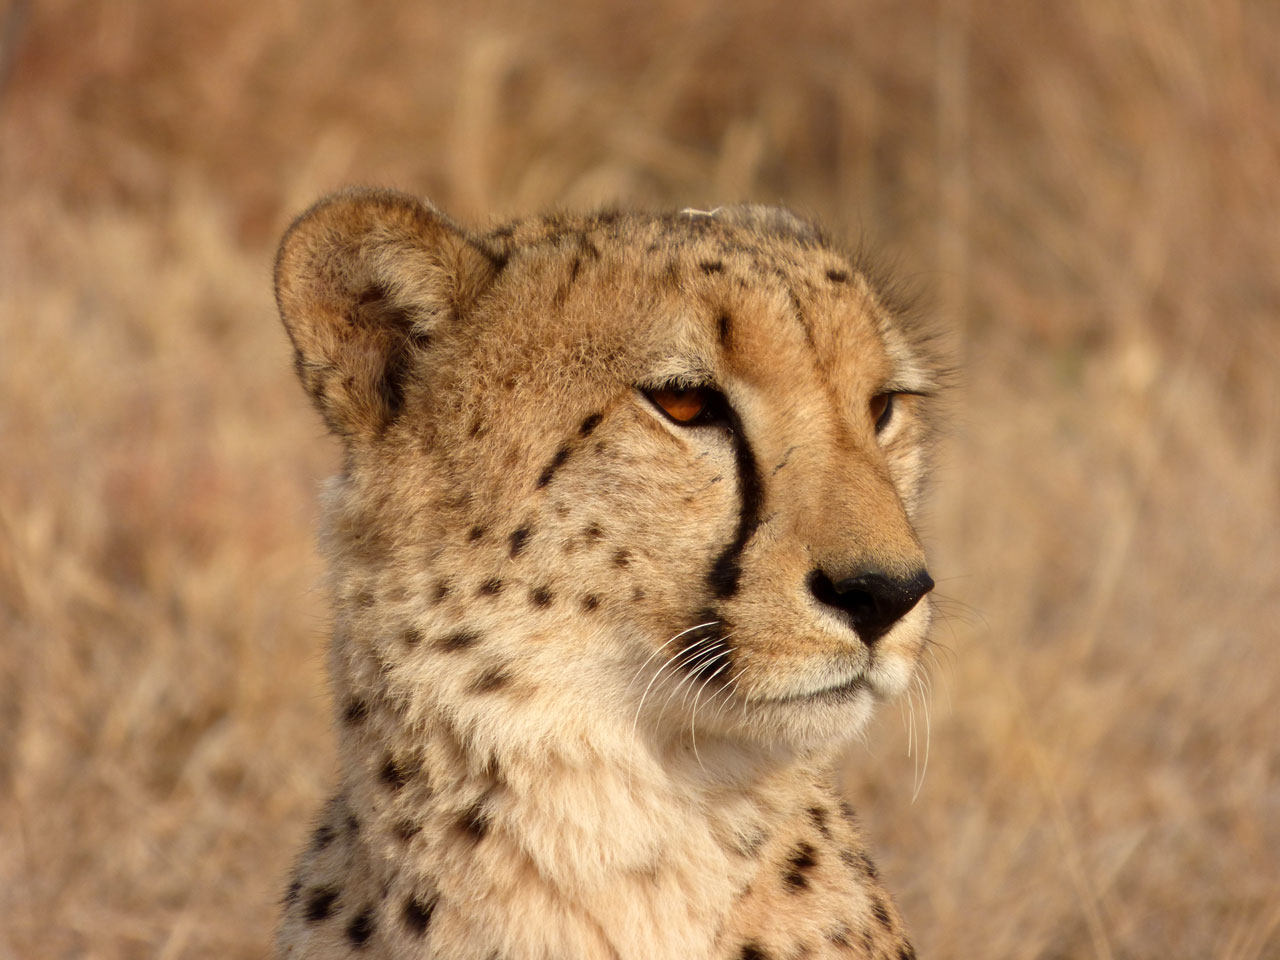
<point x="685" y="405"/>
<point x="882" y="410"/>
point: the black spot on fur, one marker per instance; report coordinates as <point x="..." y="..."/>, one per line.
<point x="474" y="822"/>
<point x="799" y="864"/>
<point x="838" y="276"/>
<point x="590" y="602"/>
<point x="881" y="912"/>
<point x="724" y="327"/>
<point x="441" y="591"/>
<point x="291" y="894"/>
<point x="355" y="712"/>
<point x="518" y="539"/>
<point x="320" y="903"/>
<point x="417" y="915"/>
<point x="541" y="597"/>
<point x="393" y="774"/>
<point x="906" y="952"/>
<point x="476" y="428"/>
<point x="323" y="836"/>
<point x="622" y="558"/>
<point x="490" y="680"/>
<point x="711" y="266"/>
<point x="589" y="424"/>
<point x="841" y="936"/>
<point x="475" y="533"/>
<point x="593" y="533"/>
<point x="556" y="463"/>
<point x="751" y="951"/>
<point x="459" y="639"/>
<point x="353" y="823"/>
<point x="411" y="637"/>
<point x="819" y="817"/>
<point x="491" y="587"/>
<point x="406" y="829"/>
<point x="860" y="864"/>
<point x="360" y="929"/>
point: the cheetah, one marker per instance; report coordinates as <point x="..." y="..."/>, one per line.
<point x="622" y="555"/>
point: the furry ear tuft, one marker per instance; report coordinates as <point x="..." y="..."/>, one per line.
<point x="363" y="280"/>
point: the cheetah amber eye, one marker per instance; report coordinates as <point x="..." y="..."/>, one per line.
<point x="881" y="410"/>
<point x="681" y="405"/>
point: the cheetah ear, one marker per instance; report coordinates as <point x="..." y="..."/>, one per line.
<point x="363" y="279"/>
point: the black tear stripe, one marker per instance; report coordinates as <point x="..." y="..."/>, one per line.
<point x="726" y="571"/>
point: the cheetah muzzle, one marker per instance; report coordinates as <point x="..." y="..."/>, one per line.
<point x="622" y="555"/>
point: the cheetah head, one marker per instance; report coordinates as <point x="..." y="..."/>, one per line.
<point x="652" y="467"/>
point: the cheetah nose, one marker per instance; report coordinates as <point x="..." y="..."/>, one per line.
<point x="872" y="601"/>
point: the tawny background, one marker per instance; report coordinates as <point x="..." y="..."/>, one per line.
<point x="1090" y="190"/>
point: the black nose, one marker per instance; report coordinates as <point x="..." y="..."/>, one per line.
<point x="872" y="601"/>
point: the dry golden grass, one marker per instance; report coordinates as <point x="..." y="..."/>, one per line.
<point x="1091" y="190"/>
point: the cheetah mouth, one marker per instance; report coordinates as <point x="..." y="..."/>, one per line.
<point x="839" y="693"/>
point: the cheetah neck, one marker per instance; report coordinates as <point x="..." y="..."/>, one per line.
<point x="637" y="849"/>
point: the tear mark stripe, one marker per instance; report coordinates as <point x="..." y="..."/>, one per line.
<point x="726" y="570"/>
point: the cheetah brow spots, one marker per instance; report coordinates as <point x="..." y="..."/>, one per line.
<point x="800" y="862"/>
<point x="458" y="640"/>
<point x="541" y="596"/>
<point x="475" y="533"/>
<point x="474" y="822"/>
<point x="837" y="276"/>
<point x="589" y="424"/>
<point x="417" y="914"/>
<point x="518" y="539"/>
<point x="556" y="463"/>
<point x="590" y="602"/>
<point x="355" y="712"/>
<point x="361" y="928"/>
<point x="751" y="951"/>
<point x="490" y="588"/>
<point x="320" y="903"/>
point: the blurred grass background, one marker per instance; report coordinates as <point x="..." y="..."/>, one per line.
<point x="1091" y="191"/>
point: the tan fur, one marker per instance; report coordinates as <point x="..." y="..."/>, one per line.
<point x="535" y="763"/>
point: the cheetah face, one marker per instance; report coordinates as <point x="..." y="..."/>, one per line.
<point x="665" y="465"/>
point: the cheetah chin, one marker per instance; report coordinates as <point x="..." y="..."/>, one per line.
<point x="622" y="554"/>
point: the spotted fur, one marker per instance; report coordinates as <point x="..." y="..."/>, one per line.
<point x="593" y="669"/>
